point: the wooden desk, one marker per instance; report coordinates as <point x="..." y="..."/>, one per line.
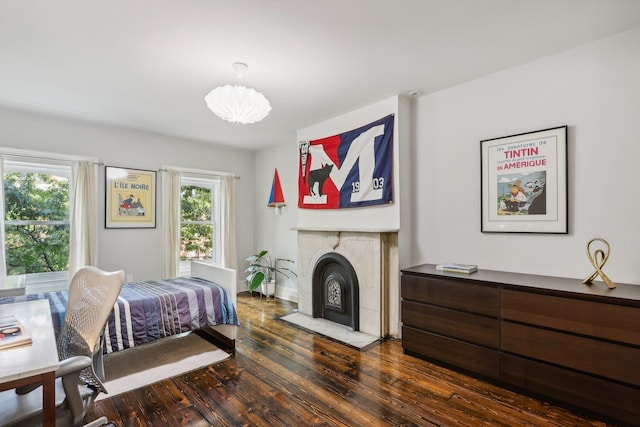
<point x="34" y="363"/>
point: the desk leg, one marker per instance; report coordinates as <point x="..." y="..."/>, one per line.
<point x="49" y="399"/>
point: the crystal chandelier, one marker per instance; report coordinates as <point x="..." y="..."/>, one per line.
<point x="238" y="104"/>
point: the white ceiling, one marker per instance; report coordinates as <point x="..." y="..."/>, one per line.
<point x="147" y="64"/>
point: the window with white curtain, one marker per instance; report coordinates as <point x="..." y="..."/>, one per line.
<point x="200" y="221"/>
<point x="36" y="210"/>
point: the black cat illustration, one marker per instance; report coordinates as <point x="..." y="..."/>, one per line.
<point x="319" y="176"/>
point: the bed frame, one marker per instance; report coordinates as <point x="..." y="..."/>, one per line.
<point x="219" y="335"/>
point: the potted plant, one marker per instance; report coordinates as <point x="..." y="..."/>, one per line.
<point x="262" y="272"/>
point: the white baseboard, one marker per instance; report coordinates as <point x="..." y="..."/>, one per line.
<point x="282" y="292"/>
<point x="287" y="293"/>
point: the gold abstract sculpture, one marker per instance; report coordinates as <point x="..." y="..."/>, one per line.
<point x="598" y="258"/>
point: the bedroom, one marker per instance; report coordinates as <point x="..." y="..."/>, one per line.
<point x="591" y="87"/>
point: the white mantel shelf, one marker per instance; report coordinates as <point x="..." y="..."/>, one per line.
<point x="346" y="230"/>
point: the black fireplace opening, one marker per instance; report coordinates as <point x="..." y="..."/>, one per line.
<point x="335" y="291"/>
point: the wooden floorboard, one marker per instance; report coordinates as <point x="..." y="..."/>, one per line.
<point x="281" y="375"/>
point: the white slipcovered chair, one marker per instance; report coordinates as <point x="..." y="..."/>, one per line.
<point x="92" y="294"/>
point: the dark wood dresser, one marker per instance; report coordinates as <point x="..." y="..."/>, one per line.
<point x="553" y="337"/>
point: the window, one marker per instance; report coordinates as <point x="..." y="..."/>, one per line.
<point x="200" y="232"/>
<point x="36" y="219"/>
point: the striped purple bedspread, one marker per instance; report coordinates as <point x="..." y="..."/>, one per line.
<point x="147" y="311"/>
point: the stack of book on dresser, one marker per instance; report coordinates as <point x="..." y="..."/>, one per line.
<point x="451" y="267"/>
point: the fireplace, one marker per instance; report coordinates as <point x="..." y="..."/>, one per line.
<point x="350" y="278"/>
<point x="335" y="291"/>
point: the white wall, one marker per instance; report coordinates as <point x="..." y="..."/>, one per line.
<point x="595" y="90"/>
<point x="137" y="251"/>
<point x="276" y="233"/>
<point x="378" y="218"/>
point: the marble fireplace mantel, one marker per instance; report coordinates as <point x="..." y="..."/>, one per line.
<point x="370" y="252"/>
<point x="347" y="230"/>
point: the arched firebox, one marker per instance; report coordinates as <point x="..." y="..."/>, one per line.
<point x="335" y="290"/>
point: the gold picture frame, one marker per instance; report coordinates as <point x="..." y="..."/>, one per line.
<point x="130" y="198"/>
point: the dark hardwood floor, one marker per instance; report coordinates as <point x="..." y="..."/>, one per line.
<point x="283" y="376"/>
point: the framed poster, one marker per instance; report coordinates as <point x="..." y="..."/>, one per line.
<point x="524" y="183"/>
<point x="130" y="198"/>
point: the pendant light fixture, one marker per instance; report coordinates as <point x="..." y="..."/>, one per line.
<point x="238" y="104"/>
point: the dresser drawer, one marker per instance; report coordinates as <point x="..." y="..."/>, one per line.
<point x="472" y="358"/>
<point x="608" y="321"/>
<point x="451" y="323"/>
<point x="451" y="293"/>
<point x="609" y="360"/>
<point x="593" y="394"/>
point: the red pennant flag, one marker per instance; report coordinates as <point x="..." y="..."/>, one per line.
<point x="276" y="198"/>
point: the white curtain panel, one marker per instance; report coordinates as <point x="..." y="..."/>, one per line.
<point x="83" y="244"/>
<point x="3" y="263"/>
<point x="170" y="223"/>
<point x="229" y="254"/>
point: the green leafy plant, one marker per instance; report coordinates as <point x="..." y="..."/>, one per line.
<point x="262" y="269"/>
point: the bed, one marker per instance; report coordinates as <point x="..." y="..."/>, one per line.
<point x="150" y="310"/>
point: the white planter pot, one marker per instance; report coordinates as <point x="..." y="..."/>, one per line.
<point x="268" y="288"/>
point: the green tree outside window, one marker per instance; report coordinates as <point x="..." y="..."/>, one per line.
<point x="36" y="223"/>
<point x="196" y="232"/>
